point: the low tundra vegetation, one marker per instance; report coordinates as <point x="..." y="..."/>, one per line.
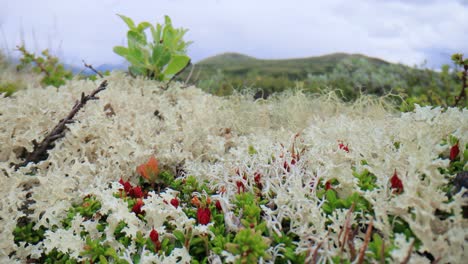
<point x="187" y="220"/>
<point x="150" y="176"/>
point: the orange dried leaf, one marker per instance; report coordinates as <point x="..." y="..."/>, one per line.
<point x="149" y="170"/>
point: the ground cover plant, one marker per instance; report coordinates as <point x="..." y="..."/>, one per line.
<point x="147" y="175"/>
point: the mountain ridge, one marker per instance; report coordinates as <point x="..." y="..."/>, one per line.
<point x="243" y="57"/>
<point x="241" y="65"/>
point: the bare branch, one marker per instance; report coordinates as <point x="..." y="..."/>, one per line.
<point x="315" y="254"/>
<point x="39" y="152"/>
<point x="347" y="226"/>
<point x="366" y="242"/>
<point x="408" y="255"/>
<point x="190" y="74"/>
<point x="89" y="66"/>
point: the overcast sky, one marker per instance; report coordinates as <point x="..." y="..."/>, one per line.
<point x="395" y="30"/>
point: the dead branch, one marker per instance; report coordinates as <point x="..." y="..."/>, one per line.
<point x="190" y="74"/>
<point x="315" y="254"/>
<point x="89" y="66"/>
<point x="464" y="86"/>
<point x="366" y="242"/>
<point x="39" y="152"/>
<point x="382" y="250"/>
<point x="352" y="248"/>
<point x="347" y="227"/>
<point x="408" y="255"/>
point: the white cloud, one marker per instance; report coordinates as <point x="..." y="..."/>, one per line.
<point x="396" y="30"/>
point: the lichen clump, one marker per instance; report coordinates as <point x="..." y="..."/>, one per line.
<point x="292" y="178"/>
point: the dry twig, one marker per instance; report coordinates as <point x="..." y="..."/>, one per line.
<point x="177" y="74"/>
<point x="408" y="255"/>
<point x="89" y="66"/>
<point x="464" y="86"/>
<point x="347" y="227"/>
<point x="190" y="74"/>
<point x="352" y="248"/>
<point x="366" y="242"/>
<point x="39" y="152"/>
<point x="315" y="254"/>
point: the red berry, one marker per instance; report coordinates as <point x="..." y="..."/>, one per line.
<point x="343" y="147"/>
<point x="218" y="205"/>
<point x="286" y="166"/>
<point x="328" y="185"/>
<point x="240" y="185"/>
<point x="137" y="207"/>
<point x="136" y="192"/>
<point x="396" y="183"/>
<point x="257" y="178"/>
<point x="154" y="236"/>
<point x="454" y="151"/>
<point x="126" y="184"/>
<point x="203" y="215"/>
<point x="175" y="202"/>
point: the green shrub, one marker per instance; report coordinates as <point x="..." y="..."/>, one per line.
<point x="458" y="60"/>
<point x="160" y="59"/>
<point x="8" y="88"/>
<point x="54" y="72"/>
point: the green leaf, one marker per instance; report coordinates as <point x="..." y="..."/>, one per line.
<point x="103" y="259"/>
<point x="122" y="51"/>
<point x="179" y="235"/>
<point x="177" y="63"/>
<point x="164" y="59"/>
<point x="453" y="140"/>
<point x="127" y="21"/>
<point x="327" y="208"/>
<point x="331" y="196"/>
<point x="135" y="57"/>
<point x="252" y="150"/>
<point x="167" y="20"/>
<point x="157" y="53"/>
<point x="136" y="39"/>
<point x="137" y="70"/>
<point x="156" y="33"/>
<point x="142" y="26"/>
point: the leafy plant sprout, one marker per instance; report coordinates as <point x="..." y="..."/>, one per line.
<point x="162" y="58"/>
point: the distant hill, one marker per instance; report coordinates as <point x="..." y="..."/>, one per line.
<point x="228" y="57"/>
<point x="351" y="74"/>
<point x="296" y="68"/>
<point x="101" y="68"/>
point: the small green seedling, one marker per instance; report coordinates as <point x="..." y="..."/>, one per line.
<point x="160" y="59"/>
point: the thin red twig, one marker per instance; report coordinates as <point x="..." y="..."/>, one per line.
<point x="366" y="242"/>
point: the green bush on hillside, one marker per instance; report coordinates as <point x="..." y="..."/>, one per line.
<point x="352" y="76"/>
